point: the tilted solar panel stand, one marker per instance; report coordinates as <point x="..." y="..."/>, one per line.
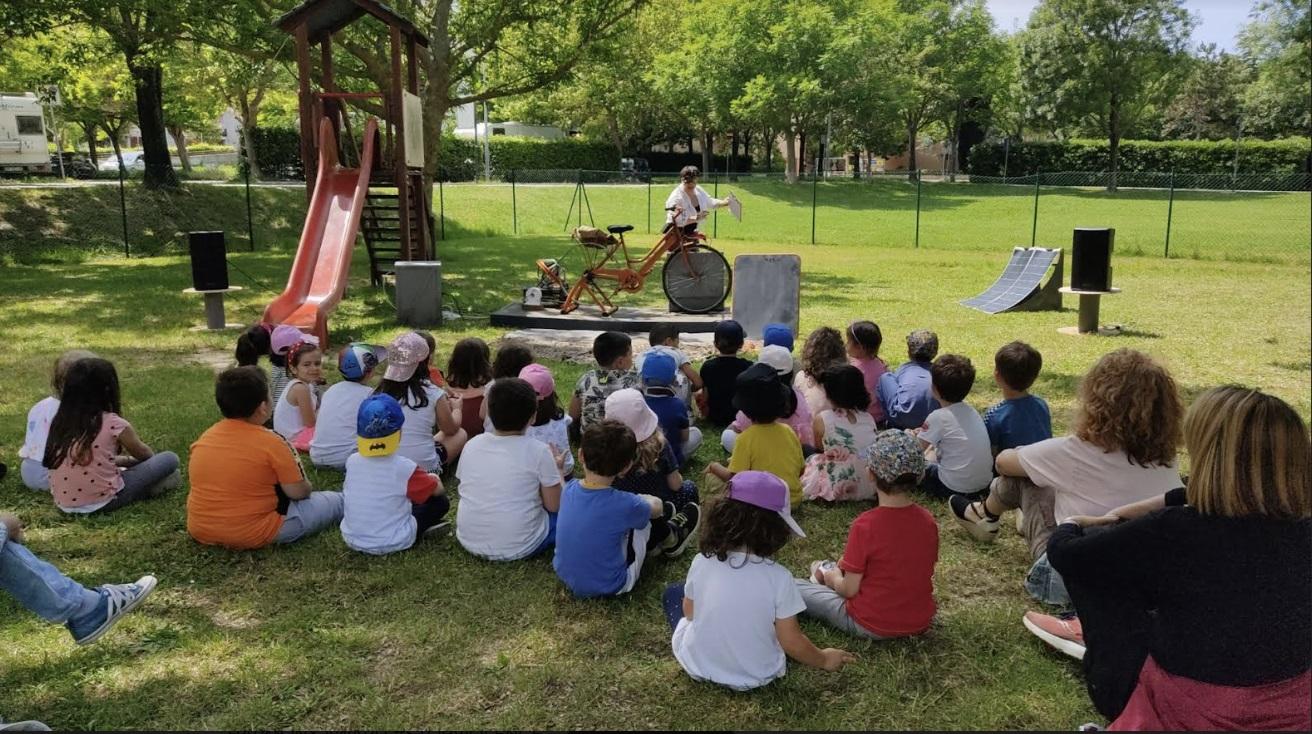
<point x="1021" y="286"/>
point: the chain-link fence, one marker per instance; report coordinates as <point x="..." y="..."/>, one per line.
<point x="1206" y="216"/>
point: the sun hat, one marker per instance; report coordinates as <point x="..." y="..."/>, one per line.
<point x="628" y="407"/>
<point x="778" y="358"/>
<point x="777" y="334"/>
<point x="658" y="369"/>
<point x="378" y="425"/>
<point x="764" y="490"/>
<point x="544" y="384"/>
<point x="895" y="454"/>
<point x="404" y="355"/>
<point x="286" y="336"/>
<point x="922" y="344"/>
<point x="757" y="390"/>
<point x="730" y="330"/>
<point x="357" y="359"/>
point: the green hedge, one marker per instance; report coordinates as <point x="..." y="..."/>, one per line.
<point x="278" y="152"/>
<point x="1182" y="156"/>
<point x="462" y="158"/>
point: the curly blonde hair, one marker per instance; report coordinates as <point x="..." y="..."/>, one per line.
<point x="824" y="348"/>
<point x="1129" y="402"/>
<point x="649" y="453"/>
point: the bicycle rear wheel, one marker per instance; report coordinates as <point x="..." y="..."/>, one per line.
<point x="698" y="282"/>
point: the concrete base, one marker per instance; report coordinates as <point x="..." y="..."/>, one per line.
<point x="588" y="318"/>
<point x="1113" y="330"/>
<point x="576" y="346"/>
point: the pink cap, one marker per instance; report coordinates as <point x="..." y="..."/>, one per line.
<point x="405" y="354"/>
<point x="628" y="407"/>
<point x="540" y="378"/>
<point x="286" y="336"/>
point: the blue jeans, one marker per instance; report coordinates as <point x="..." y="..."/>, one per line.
<point x="39" y="586"/>
<point x="672" y="604"/>
<point x="310" y="515"/>
<point x="1045" y="584"/>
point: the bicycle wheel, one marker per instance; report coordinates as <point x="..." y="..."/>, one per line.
<point x="699" y="282"/>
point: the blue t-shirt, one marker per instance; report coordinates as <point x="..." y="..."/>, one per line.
<point x="592" y="538"/>
<point x="672" y="414"/>
<point x="1018" y="422"/>
<point x="907" y="395"/>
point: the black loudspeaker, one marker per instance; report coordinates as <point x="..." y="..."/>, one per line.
<point x="1091" y="259"/>
<point x="209" y="261"/>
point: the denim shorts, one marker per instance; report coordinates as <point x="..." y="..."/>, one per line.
<point x="1045" y="584"/>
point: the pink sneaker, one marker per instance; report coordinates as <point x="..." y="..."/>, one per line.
<point x="1063" y="633"/>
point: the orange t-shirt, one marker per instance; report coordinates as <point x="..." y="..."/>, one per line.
<point x="234" y="470"/>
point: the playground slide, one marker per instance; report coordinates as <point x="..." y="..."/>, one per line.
<point x="323" y="257"/>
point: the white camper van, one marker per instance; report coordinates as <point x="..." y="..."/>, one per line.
<point x="23" y="134"/>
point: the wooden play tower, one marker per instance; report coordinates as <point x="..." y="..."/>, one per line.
<point x="397" y="219"/>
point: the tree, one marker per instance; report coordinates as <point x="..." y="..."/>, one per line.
<point x="191" y="101"/>
<point x="1209" y="103"/>
<point x="1101" y="61"/>
<point x="1278" y="44"/>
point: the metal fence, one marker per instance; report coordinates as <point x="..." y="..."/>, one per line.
<point x="1262" y="217"/>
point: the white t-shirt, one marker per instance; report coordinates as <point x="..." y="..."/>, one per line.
<point x="376" y="517"/>
<point x="287" y="417"/>
<point x="38" y="429"/>
<point x="500" y="515"/>
<point x="417" y="434"/>
<point x="690" y="204"/>
<point x="1090" y="481"/>
<point x="731" y="639"/>
<point x="555" y="434"/>
<point x="965" y="459"/>
<point x="334" y="429"/>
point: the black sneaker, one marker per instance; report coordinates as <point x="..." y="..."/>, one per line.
<point x="683" y="526"/>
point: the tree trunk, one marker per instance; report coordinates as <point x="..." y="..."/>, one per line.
<point x="114" y="143"/>
<point x="250" y="114"/>
<point x="180" y="140"/>
<point x="90" y="131"/>
<point x="733" y="152"/>
<point x="801" y="154"/>
<point x="1113" y="139"/>
<point x="148" y="83"/>
<point x="767" y="142"/>
<point x="912" y="128"/>
<point x="790" y="156"/>
<point x="708" y="141"/>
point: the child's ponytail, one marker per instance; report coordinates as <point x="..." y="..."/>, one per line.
<point x="252" y="344"/>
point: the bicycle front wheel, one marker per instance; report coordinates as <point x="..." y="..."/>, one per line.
<point x="696" y="279"/>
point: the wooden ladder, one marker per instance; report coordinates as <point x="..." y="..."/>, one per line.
<point x="380" y="224"/>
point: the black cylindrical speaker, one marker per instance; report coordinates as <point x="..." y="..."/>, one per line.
<point x="209" y="261"/>
<point x="1091" y="259"/>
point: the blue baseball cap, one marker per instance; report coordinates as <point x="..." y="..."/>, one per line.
<point x="777" y="334"/>
<point x="729" y="330"/>
<point x="378" y="425"/>
<point x="658" y="368"/>
<point x="357" y="359"/>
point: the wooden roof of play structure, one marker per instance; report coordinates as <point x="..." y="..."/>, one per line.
<point x="326" y="17"/>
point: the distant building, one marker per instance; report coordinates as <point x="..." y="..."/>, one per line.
<point x="517" y="129"/>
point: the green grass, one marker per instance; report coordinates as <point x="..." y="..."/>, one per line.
<point x="315" y="636"/>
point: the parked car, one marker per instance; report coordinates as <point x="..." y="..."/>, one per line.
<point x="75" y="165"/>
<point x="635" y="169"/>
<point x="132" y="161"/>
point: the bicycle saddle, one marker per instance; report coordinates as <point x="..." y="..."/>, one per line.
<point x="619" y="228"/>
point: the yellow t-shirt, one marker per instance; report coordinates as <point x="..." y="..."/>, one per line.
<point x="771" y="447"/>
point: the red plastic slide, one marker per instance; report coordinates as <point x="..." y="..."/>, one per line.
<point x="323" y="257"/>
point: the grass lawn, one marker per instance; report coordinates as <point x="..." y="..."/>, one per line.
<point x="315" y="636"/>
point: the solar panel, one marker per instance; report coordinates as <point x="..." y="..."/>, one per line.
<point x="1018" y="281"/>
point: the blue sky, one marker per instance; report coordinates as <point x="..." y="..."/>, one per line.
<point x="1217" y="21"/>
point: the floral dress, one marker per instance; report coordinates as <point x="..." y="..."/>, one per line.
<point x="838" y="472"/>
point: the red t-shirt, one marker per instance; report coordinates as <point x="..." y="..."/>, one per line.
<point x="894" y="549"/>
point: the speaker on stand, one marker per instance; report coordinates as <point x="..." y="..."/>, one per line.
<point x="209" y="261"/>
<point x="1091" y="259"/>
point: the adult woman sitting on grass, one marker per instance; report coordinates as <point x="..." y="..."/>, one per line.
<point x="1200" y="616"/>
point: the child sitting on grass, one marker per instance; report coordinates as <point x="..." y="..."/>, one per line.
<point x="389" y="502"/>
<point x="658" y="374"/>
<point x="766" y="445"/>
<point x="613" y="351"/>
<point x="34" y="474"/>
<point x="550" y="425"/>
<point x="954" y="435"/>
<point x="254" y="343"/>
<point x="334" y="433"/>
<point x="87" y="472"/>
<point x="1020" y="419"/>
<point x="468" y="372"/>
<point x="603" y="534"/>
<point x="906" y="394"/>
<point x="247" y="487"/>
<point x="509" y="483"/>
<point x="863" y="341"/>
<point x="735" y="617"/>
<point x="664" y="339"/>
<point x="654" y="471"/>
<point x="431" y="436"/>
<point x="797" y="414"/>
<point x="719" y="372"/>
<point x="281" y="340"/>
<point x="883" y="586"/>
<point x="844" y="434"/>
<point x="296" y="412"/>
<point x="823" y="349"/>
<point x="511" y="359"/>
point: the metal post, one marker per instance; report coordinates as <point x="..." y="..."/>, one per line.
<point x="250" y="220"/>
<point x="441" y="212"/>
<point x="578" y="190"/>
<point x="1034" y="231"/>
<point x="715" y="213"/>
<point x="1170" y="206"/>
<point x="1006" y="157"/>
<point x="815" y="179"/>
<point x="123" y="207"/>
<point x="648" y="204"/>
<point x="514" y="206"/>
<point x="918" y="210"/>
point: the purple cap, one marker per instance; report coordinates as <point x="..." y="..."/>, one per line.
<point x="286" y="336"/>
<point x="765" y="490"/>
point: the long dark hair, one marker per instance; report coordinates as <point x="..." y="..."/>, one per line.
<point x="548" y="410"/>
<point x="732" y="526"/>
<point x="470" y="364"/>
<point x="90" y="391"/>
<point x="253" y="344"/>
<point x="510" y="359"/>
<point x="411" y="393"/>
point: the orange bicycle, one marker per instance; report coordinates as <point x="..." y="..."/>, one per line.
<point x="695" y="276"/>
